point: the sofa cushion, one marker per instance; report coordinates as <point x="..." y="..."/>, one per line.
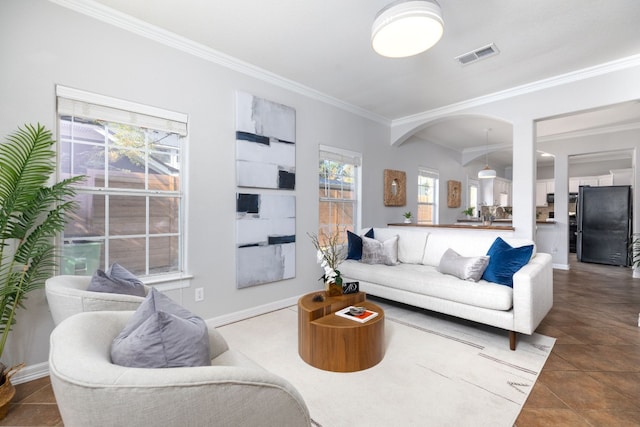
<point x="466" y="245"/>
<point x="116" y="280"/>
<point x="423" y="279"/>
<point x="465" y="268"/>
<point x="377" y="252"/>
<point x="505" y="261"/>
<point x="162" y="334"/>
<point x="354" y="247"/>
<point x="411" y="243"/>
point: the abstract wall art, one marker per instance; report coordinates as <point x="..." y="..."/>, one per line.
<point x="265" y="143"/>
<point x="266" y="238"/>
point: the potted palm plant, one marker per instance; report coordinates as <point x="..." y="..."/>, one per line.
<point x="32" y="213"/>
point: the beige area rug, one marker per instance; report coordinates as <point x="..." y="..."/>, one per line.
<point x="437" y="371"/>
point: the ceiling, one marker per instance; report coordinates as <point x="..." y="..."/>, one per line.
<point x="325" y="45"/>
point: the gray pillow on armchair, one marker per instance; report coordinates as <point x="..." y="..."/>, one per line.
<point x="116" y="280"/>
<point x="162" y="334"/>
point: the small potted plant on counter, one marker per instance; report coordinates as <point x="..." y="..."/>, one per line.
<point x="407" y="217"/>
<point x="469" y="211"/>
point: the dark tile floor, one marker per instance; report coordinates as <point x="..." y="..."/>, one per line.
<point x="33" y="405"/>
<point x="592" y="377"/>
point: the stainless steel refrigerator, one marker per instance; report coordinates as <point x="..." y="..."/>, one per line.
<point x="604" y="224"/>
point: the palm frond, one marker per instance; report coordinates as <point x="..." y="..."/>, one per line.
<point x="31" y="215"/>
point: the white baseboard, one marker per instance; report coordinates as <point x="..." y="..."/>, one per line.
<point x="252" y="312"/>
<point x="561" y="266"/>
<point x="40" y="370"/>
<point x="30" y="373"/>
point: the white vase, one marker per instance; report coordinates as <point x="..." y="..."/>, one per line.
<point x="407" y="220"/>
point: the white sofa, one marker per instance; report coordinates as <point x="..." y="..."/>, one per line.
<point x="415" y="280"/>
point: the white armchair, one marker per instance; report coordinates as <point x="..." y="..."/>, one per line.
<point x="68" y="295"/>
<point x="91" y="391"/>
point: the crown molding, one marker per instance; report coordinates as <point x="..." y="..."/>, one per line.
<point x="134" y="25"/>
<point x="152" y="32"/>
<point x="589" y="132"/>
<point x="574" y="76"/>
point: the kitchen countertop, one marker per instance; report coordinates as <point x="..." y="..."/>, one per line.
<point x="504" y="221"/>
<point x="477" y="226"/>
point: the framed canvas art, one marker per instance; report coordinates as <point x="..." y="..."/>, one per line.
<point x="265" y="238"/>
<point x="265" y="143"/>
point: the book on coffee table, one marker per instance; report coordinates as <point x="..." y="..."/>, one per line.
<point x="364" y="317"/>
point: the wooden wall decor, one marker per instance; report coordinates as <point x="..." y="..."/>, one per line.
<point x="454" y="190"/>
<point x="395" y="188"/>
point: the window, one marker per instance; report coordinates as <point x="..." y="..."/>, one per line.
<point x="339" y="175"/>
<point x="473" y="196"/>
<point x="130" y="206"/>
<point x="427" y="196"/>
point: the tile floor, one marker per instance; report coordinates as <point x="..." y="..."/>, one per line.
<point x="592" y="377"/>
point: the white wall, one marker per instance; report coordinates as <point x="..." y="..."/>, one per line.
<point x="408" y="157"/>
<point x="43" y="44"/>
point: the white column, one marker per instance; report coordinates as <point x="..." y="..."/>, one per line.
<point x="524" y="179"/>
<point x="560" y="251"/>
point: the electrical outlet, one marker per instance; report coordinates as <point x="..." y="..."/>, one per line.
<point x="199" y="294"/>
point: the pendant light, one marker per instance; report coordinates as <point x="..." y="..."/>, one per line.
<point x="487" y="172"/>
<point x="406" y="28"/>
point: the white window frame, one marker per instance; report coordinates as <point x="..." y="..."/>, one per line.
<point x="473" y="183"/>
<point x="95" y="106"/>
<point x="433" y="174"/>
<point x="351" y="157"/>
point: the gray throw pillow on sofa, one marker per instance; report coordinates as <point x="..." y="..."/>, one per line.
<point x="465" y="268"/>
<point x="162" y="334"/>
<point x="116" y="280"/>
<point x="377" y="252"/>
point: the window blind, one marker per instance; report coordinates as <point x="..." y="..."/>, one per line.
<point x="339" y="155"/>
<point x="76" y="103"/>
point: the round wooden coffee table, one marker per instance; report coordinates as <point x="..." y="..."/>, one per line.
<point x="333" y="343"/>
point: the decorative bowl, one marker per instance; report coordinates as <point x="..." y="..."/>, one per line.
<point x="357" y="311"/>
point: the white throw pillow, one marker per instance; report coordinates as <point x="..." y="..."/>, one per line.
<point x="377" y="252"/>
<point x="465" y="268"/>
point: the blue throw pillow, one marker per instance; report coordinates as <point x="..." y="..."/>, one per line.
<point x="504" y="261"/>
<point x="355" y="244"/>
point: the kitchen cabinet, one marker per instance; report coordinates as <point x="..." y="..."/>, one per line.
<point x="593" y="181"/>
<point x="622" y="177"/>
<point x="541" y="193"/>
<point x="574" y="183"/>
<point x="495" y="191"/>
<point x="605" y="180"/>
<point x="543" y="187"/>
<point x="502" y="192"/>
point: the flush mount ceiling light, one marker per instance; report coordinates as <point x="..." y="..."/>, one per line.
<point x="406" y="28"/>
<point x="487" y="172"/>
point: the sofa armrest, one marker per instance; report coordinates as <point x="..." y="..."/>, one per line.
<point x="532" y="293"/>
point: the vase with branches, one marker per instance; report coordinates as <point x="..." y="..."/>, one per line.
<point x="32" y="214"/>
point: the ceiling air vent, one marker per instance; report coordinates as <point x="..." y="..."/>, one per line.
<point x="478" y="54"/>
